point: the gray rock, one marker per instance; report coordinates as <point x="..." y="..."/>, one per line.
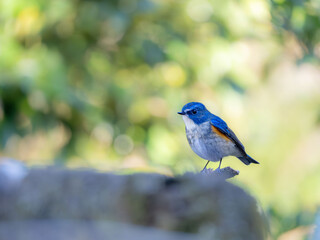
<point x="84" y="230"/>
<point x="12" y="172"/>
<point x="202" y="204"/>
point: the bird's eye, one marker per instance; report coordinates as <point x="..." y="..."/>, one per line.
<point x="194" y="111"/>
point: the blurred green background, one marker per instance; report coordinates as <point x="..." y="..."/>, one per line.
<point x="98" y="84"/>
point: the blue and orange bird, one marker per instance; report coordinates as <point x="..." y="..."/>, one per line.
<point x="210" y="137"/>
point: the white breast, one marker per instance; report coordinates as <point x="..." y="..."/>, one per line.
<point x="190" y="125"/>
<point x="208" y="146"/>
<point x="195" y="137"/>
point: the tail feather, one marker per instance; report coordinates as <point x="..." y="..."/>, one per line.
<point x="247" y="160"/>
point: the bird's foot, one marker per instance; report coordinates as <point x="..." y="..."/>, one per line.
<point x="203" y="170"/>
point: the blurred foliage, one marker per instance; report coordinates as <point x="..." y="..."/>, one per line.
<point x="98" y="84"/>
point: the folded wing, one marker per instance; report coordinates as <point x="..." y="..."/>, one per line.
<point x="223" y="128"/>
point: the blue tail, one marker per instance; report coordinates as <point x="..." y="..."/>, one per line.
<point x="247" y="160"/>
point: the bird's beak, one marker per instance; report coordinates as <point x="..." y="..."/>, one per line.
<point x="182" y="113"/>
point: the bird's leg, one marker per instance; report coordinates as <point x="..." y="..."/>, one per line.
<point x="219" y="164"/>
<point x="205" y="166"/>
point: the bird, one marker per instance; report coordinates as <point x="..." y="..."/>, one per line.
<point x="210" y="137"/>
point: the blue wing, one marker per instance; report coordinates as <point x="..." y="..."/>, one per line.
<point x="223" y="128"/>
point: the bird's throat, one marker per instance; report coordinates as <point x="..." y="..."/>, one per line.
<point x="190" y="125"/>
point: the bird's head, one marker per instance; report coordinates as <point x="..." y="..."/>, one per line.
<point x="196" y="112"/>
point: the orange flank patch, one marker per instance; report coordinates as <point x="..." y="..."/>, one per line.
<point x="214" y="129"/>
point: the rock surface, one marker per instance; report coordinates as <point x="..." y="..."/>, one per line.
<point x="203" y="205"/>
<point x="84" y="230"/>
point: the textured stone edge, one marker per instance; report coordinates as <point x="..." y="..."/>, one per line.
<point x="224" y="173"/>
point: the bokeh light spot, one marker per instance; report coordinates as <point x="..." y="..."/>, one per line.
<point x="123" y="144"/>
<point x="28" y="22"/>
<point x="199" y="10"/>
<point x="172" y="73"/>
